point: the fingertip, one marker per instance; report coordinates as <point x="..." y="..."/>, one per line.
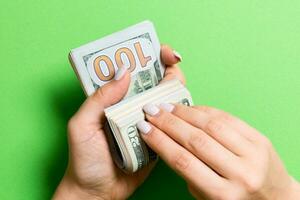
<point x="120" y="73"/>
<point x="122" y="79"/>
<point x="169" y="56"/>
<point x="168" y="107"/>
<point x="151" y="109"/>
<point x="177" y="55"/>
<point x="144" y="127"/>
<point x="114" y="91"/>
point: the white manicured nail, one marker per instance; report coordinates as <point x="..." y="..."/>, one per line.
<point x="167" y="107"/>
<point x="177" y="55"/>
<point x="151" y="109"/>
<point x="143" y="126"/>
<point x="120" y="73"/>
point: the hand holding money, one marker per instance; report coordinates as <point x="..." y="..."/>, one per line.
<point x="214" y="163"/>
<point x="91" y="171"/>
<point x="137" y="50"/>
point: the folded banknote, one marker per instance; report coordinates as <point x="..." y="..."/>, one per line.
<point x="136" y="48"/>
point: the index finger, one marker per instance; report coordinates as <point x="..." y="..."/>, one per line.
<point x="179" y="159"/>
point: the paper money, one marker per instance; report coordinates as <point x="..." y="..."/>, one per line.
<point x="123" y="117"/>
<point x="138" y="49"/>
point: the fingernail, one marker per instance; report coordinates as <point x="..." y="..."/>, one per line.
<point x="120" y="73"/>
<point x="143" y="126"/>
<point x="151" y="109"/>
<point x="167" y="107"/>
<point x="177" y="55"/>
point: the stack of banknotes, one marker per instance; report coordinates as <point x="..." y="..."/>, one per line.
<point x="138" y="49"/>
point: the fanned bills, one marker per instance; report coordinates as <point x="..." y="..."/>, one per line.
<point x="137" y="48"/>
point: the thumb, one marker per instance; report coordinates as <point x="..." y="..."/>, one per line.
<point x="92" y="110"/>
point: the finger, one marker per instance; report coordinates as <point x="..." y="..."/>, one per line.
<point x="107" y="95"/>
<point x="243" y="128"/>
<point x="169" y="56"/>
<point x="193" y="139"/>
<point x="215" y="126"/>
<point x="173" y="72"/>
<point x="179" y="159"/>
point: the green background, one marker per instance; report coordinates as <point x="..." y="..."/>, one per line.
<point x="240" y="56"/>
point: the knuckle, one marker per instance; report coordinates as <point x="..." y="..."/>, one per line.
<point x="266" y="142"/>
<point x="181" y="162"/>
<point x="252" y="183"/>
<point x="226" y="117"/>
<point x="167" y="121"/>
<point x="197" y="142"/>
<point x="215" y="125"/>
<point x="204" y="108"/>
<point x="73" y="127"/>
<point x="99" y="94"/>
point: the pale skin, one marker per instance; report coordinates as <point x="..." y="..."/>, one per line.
<point x="91" y="173"/>
<point x="219" y="156"/>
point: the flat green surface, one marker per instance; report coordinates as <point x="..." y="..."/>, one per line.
<point x="241" y="56"/>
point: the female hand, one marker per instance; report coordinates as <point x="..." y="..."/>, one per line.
<point x="220" y="156"/>
<point x="91" y="173"/>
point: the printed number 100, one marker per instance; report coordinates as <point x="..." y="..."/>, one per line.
<point x="110" y="66"/>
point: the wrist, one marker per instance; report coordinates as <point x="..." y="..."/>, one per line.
<point x="290" y="192"/>
<point x="294" y="190"/>
<point x="69" y="189"/>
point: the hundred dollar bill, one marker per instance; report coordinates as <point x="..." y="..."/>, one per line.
<point x="136" y="48"/>
<point x="133" y="154"/>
